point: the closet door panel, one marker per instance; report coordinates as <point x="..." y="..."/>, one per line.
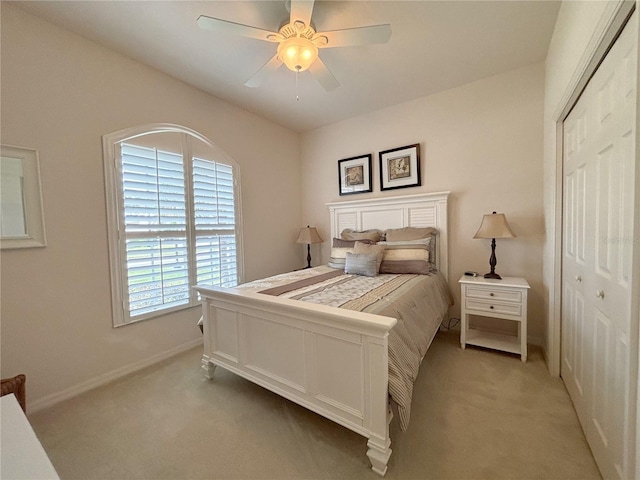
<point x="599" y="186"/>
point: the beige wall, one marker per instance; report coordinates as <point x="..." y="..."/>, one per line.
<point x="481" y="141"/>
<point x="60" y="93"/>
<point x="577" y="31"/>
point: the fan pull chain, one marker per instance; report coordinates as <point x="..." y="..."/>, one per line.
<point x="297" y="96"/>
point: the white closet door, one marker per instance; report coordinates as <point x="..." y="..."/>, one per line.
<point x="598" y="170"/>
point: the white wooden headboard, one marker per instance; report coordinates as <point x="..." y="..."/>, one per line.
<point x="421" y="210"/>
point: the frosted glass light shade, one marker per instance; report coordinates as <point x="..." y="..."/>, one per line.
<point x="297" y="53"/>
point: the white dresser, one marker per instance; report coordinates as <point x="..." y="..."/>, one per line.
<point x="22" y="454"/>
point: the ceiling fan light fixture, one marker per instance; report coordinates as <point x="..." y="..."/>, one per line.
<point x="320" y="40"/>
<point x="298" y="42"/>
<point x="297" y="53"/>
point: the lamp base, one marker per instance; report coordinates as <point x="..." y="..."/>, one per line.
<point x="493" y="262"/>
<point x="492" y="275"/>
<point x="308" y="256"/>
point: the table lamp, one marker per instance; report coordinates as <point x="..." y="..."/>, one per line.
<point x="494" y="226"/>
<point x="309" y="235"/>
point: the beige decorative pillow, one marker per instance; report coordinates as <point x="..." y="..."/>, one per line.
<point x="377" y="250"/>
<point x="350" y="234"/>
<point x="338" y="242"/>
<point x="409" y="233"/>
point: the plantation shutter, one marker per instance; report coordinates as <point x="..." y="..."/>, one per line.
<point x="173" y="215"/>
<point x="173" y="232"/>
<point x="215" y="226"/>
<point x="155" y="226"/>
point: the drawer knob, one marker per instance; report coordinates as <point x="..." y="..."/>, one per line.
<point x="578" y="278"/>
<point x="491" y="294"/>
<point x="600" y="294"/>
<point x="491" y="307"/>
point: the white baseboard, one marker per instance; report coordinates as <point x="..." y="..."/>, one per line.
<point x="51" y="399"/>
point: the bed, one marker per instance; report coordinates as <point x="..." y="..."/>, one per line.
<point x="333" y="361"/>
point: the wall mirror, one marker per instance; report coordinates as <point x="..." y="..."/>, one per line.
<point x="21" y="213"/>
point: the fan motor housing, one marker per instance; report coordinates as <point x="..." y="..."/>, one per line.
<point x="297" y="29"/>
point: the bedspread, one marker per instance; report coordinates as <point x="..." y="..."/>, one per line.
<point x="418" y="302"/>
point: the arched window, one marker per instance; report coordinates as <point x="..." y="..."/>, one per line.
<point x="173" y="211"/>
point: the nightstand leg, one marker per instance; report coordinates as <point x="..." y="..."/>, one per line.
<point x="522" y="335"/>
<point x="464" y="322"/>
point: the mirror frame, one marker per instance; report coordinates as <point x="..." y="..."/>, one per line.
<point x="33" y="207"/>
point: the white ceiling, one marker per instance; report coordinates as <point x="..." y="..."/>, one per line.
<point x="434" y="46"/>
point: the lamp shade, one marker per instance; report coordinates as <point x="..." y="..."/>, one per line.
<point x="494" y="225"/>
<point x="309" y="235"/>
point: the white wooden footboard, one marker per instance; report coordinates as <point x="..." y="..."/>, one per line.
<point x="331" y="361"/>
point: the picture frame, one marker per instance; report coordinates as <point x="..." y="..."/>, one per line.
<point x="400" y="167"/>
<point x="21" y="205"/>
<point x="354" y="175"/>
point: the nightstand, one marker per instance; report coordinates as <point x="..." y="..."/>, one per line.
<point x="506" y="299"/>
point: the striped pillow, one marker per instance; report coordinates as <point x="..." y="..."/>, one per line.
<point x="338" y="257"/>
<point x="339" y="251"/>
<point x="410" y="256"/>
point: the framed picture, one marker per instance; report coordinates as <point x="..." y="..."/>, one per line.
<point x="21" y="208"/>
<point x="400" y="167"/>
<point x="354" y="175"/>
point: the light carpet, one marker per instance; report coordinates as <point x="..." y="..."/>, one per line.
<point x="476" y="414"/>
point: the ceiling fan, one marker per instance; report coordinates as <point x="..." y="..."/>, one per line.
<point x="298" y="42"/>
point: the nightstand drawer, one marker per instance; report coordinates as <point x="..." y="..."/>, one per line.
<point x="501" y="295"/>
<point x="489" y="307"/>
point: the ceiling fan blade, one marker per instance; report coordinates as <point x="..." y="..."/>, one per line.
<point x="258" y="77"/>
<point x="301" y="11"/>
<point x="324" y="77"/>
<point x="356" y="36"/>
<point x="225" y="26"/>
